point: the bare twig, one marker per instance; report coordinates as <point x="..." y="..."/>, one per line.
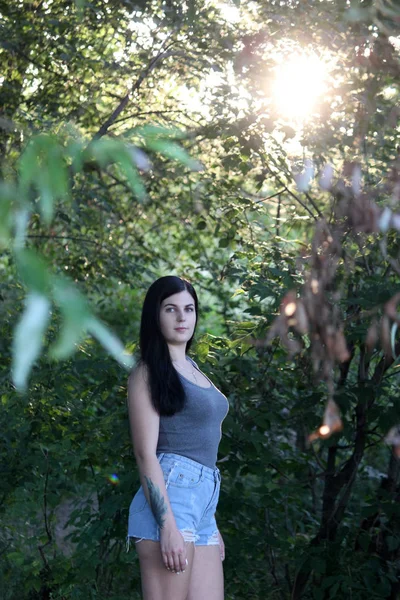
<point x="41" y="547"/>
<point x="125" y="100"/>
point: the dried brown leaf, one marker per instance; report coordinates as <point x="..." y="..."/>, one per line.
<point x="385" y="336"/>
<point x="301" y="325"/>
<point x="341" y="352"/>
<point x="372" y="336"/>
<point x="391" y="306"/>
<point x="331" y="423"/>
<point x="393" y="439"/>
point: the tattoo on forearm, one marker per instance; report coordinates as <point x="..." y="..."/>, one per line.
<point x="157" y="502"/>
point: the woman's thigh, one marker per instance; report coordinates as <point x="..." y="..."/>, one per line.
<point x="207" y="578"/>
<point x="157" y="582"/>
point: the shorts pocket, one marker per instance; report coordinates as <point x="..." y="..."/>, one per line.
<point x="181" y="477"/>
<point x="138" y="503"/>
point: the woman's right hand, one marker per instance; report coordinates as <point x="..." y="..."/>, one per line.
<point x="173" y="549"/>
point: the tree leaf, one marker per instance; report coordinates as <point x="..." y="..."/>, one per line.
<point x="28" y="337"/>
<point x="21" y="222"/>
<point x="42" y="168"/>
<point x="7" y="196"/>
<point x="175" y="152"/>
<point x="110" y="342"/>
<point x="75" y="312"/>
<point x="33" y="271"/>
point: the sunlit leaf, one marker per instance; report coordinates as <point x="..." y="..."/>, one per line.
<point x="140" y="158"/>
<point x="303" y="180"/>
<point x="75" y="150"/>
<point x="43" y="170"/>
<point x="103" y="150"/>
<point x="28" y="337"/>
<point x="393" y="338"/>
<point x="126" y="163"/>
<point x="157" y="132"/>
<point x="326" y="177"/>
<point x="108" y="151"/>
<point x="21" y="222"/>
<point x="202" y="350"/>
<point x="110" y="342"/>
<point x="175" y="152"/>
<point x="356" y="177"/>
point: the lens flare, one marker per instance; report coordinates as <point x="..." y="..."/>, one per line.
<point x="299" y="83"/>
<point x="324" y="430"/>
<point x="113" y="478"/>
<point x="332" y="423"/>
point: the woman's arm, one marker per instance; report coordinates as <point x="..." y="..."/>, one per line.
<point x="145" y="424"/>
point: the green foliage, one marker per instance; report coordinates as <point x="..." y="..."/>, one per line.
<point x="139" y="140"/>
<point x="44" y="169"/>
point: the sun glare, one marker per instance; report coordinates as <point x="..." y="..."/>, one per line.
<point x="229" y="11"/>
<point x="299" y="83"/>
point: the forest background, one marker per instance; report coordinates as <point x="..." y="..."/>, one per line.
<point x="141" y="138"/>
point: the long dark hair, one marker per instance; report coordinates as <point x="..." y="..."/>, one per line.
<point x="167" y="393"/>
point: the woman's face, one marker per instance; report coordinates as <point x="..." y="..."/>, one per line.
<point x="178" y="318"/>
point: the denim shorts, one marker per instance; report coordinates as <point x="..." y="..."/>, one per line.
<point x="193" y="491"/>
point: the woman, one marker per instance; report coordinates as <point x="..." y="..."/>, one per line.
<point x="175" y="416"/>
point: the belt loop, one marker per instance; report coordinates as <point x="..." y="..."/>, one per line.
<point x="160" y="457"/>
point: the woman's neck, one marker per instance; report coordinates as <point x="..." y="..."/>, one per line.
<point x="177" y="353"/>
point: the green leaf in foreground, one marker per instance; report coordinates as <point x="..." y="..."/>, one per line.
<point x="110" y="342"/>
<point x="43" y="169"/>
<point x="33" y="271"/>
<point x="78" y="321"/>
<point x="7" y="196"/>
<point x="108" y="151"/>
<point x="173" y="151"/>
<point x="75" y="312"/>
<point x="28" y="337"/>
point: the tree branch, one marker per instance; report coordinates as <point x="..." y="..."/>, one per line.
<point x="115" y="114"/>
<point x="41" y="547"/>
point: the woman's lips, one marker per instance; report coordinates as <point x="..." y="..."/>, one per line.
<point x="180" y="328"/>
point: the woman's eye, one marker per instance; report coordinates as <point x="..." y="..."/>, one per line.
<point x="170" y="309"/>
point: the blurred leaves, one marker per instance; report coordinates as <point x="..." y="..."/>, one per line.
<point x="75" y="313"/>
<point x="28" y="337"/>
<point x="106" y="151"/>
<point x="46" y="170"/>
<point x="33" y="271"/>
<point x="109" y="342"/>
<point x="43" y="170"/>
<point x="7" y="198"/>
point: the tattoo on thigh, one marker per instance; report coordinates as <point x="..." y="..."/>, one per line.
<point x="157" y="502"/>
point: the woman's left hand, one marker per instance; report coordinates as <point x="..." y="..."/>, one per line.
<point x="221" y="546"/>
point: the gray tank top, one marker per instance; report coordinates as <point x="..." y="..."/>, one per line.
<point x="195" y="431"/>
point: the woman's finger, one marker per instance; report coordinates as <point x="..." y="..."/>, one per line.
<point x="182" y="561"/>
<point x="177" y="562"/>
<point x="168" y="561"/>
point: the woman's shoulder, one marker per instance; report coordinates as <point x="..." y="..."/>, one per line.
<point x="139" y="374"/>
